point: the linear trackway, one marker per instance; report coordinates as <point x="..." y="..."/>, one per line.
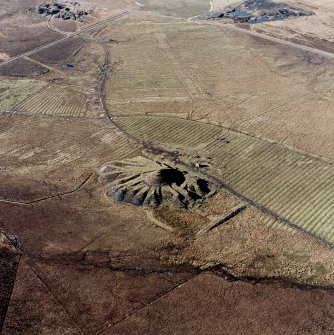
<point x="44" y="65"/>
<point x="295" y="188"/>
<point x="269" y="38"/>
<point x="283" y="42"/>
<point x="84" y="30"/>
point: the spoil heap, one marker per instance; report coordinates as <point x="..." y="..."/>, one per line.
<point x="257" y="11"/>
<point x="64" y="11"/>
<point x="143" y="182"/>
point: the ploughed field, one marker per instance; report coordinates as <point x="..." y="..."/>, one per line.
<point x="297" y="187"/>
<point x="216" y="74"/>
<point x="58" y="100"/>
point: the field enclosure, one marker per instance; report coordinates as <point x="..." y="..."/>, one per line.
<point x="138" y="80"/>
<point x="207" y="72"/>
<point x="59" y="100"/>
<point x="296" y="187"/>
<point x="60" y="53"/>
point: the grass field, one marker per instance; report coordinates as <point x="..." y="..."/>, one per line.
<point x="22" y="68"/>
<point x="13" y="92"/>
<point x="61" y="54"/>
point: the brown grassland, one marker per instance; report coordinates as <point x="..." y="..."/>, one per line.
<point x="237" y="108"/>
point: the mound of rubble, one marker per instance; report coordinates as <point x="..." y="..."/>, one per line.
<point x="65" y="11"/>
<point x="257" y="11"/>
<point x="144" y="182"/>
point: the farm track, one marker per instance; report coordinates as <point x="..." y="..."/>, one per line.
<point x="44" y="65"/>
<point x="295" y="187"/>
<point x="192" y="85"/>
<point x="154" y="79"/>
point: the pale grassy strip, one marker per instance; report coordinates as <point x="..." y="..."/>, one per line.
<point x="315" y="180"/>
<point x="242" y="180"/>
<point x="240" y="171"/>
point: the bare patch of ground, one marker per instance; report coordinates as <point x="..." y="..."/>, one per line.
<point x="220" y="4"/>
<point x="67" y="26"/>
<point x="4" y="56"/>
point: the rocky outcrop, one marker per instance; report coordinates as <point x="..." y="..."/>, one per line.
<point x="64" y="11"/>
